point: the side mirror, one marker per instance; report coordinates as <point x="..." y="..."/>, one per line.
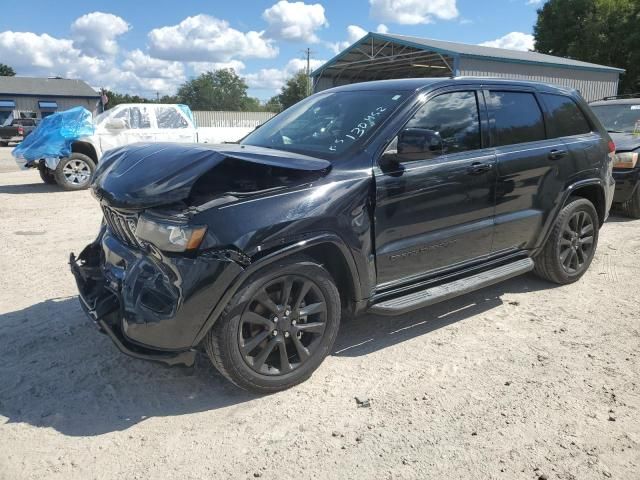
<point x="116" y="124"/>
<point x="419" y="144"/>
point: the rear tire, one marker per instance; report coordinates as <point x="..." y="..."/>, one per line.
<point x="278" y="328"/>
<point x="47" y="176"/>
<point x="75" y="172"/>
<point x="631" y="207"/>
<point x="570" y="248"/>
<point x="4" y="144"/>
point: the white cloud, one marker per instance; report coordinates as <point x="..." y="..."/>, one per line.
<point x="534" y="2"/>
<point x="203" y="38"/>
<point x="413" y="12"/>
<point x="295" y="21"/>
<point x="354" y="33"/>
<point x="95" y="33"/>
<point x="274" y="79"/>
<point x="512" y="41"/>
<point x="382" y="28"/>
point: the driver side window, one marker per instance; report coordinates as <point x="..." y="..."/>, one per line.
<point x="448" y="123"/>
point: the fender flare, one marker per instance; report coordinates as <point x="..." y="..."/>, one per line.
<point x="274" y="256"/>
<point x="566" y="194"/>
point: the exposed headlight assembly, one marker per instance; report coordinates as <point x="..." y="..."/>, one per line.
<point x="170" y="237"/>
<point x="625" y="160"/>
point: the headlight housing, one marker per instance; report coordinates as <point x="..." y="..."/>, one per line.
<point x="170" y="237"/>
<point x="625" y="160"/>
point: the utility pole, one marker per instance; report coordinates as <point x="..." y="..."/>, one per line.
<point x="157" y="97"/>
<point x="308" y="53"/>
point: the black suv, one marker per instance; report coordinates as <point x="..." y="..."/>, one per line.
<point x="382" y="197"/>
<point x="620" y="115"/>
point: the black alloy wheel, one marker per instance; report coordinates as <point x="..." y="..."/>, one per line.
<point x="577" y="241"/>
<point x="572" y="243"/>
<point x="278" y="327"/>
<point x="282" y="325"/>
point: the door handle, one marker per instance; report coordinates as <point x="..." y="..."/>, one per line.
<point x="557" y="154"/>
<point x="477" y="168"/>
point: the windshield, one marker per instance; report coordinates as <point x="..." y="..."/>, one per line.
<point x="327" y="124"/>
<point x="619" y="118"/>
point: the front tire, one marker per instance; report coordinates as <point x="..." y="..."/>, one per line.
<point x="570" y="248"/>
<point x="278" y="328"/>
<point x="75" y="172"/>
<point x="47" y="176"/>
<point x="631" y="207"/>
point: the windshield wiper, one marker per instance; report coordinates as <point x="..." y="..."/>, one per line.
<point x="616" y="131"/>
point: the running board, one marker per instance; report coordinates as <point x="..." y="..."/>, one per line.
<point x="440" y="293"/>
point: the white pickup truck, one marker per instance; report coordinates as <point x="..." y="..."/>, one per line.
<point x="121" y="125"/>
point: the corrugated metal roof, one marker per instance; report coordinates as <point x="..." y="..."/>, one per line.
<point x="46" y="87"/>
<point x="476" y="51"/>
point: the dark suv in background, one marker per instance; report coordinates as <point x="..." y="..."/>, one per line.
<point x="379" y="197"/>
<point x="620" y="115"/>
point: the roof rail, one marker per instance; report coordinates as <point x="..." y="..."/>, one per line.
<point x="626" y="95"/>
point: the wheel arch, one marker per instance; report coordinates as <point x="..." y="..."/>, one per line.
<point x="327" y="249"/>
<point x="85" y="148"/>
<point x="593" y="191"/>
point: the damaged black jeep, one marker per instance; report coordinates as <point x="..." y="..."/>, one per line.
<point x="383" y="197"/>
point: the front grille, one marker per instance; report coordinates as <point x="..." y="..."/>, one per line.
<point x="121" y="225"/>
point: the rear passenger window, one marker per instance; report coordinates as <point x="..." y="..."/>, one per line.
<point x="517" y="118"/>
<point x="565" y="118"/>
<point x="169" y="117"/>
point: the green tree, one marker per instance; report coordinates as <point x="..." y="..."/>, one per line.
<point x="217" y="90"/>
<point x="597" y="31"/>
<point x="118" y="98"/>
<point x="6" y="71"/>
<point x="273" y="105"/>
<point x="294" y="90"/>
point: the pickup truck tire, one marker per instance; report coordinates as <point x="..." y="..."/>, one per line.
<point x="47" y="176"/>
<point x="278" y="327"/>
<point x="569" y="250"/>
<point x="4" y="144"/>
<point x="631" y="207"/>
<point x="75" y="172"/>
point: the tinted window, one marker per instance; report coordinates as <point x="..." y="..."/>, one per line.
<point x="451" y="117"/>
<point x="327" y="124"/>
<point x="565" y="118"/>
<point x="169" y="117"/>
<point x="517" y="118"/>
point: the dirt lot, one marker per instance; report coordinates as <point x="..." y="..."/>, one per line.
<point x="523" y="380"/>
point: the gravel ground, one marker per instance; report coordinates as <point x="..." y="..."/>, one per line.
<point x="524" y="380"/>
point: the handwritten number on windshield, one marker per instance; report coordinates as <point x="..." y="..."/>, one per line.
<point x="360" y="129"/>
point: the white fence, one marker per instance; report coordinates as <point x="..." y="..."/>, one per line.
<point x="231" y="119"/>
<point x="220" y="127"/>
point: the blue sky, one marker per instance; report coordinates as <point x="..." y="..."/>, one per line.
<point x="142" y="47"/>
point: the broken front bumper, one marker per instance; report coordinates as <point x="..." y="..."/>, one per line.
<point x="152" y="307"/>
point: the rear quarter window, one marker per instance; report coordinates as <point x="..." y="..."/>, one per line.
<point x="565" y="117"/>
<point x="516" y="117"/>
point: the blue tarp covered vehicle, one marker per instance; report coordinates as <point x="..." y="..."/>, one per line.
<point x="52" y="141"/>
<point x="68" y="146"/>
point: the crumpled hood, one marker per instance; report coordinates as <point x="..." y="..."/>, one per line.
<point x="146" y="175"/>
<point x="625" y="142"/>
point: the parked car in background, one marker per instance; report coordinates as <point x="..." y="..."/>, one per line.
<point x="15" y="130"/>
<point x="621" y="117"/>
<point x="121" y="125"/>
<point x="381" y="196"/>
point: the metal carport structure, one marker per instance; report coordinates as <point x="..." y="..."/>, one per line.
<point x="378" y="56"/>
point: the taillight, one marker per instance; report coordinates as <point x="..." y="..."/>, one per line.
<point x="612" y="147"/>
<point x="20" y="131"/>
